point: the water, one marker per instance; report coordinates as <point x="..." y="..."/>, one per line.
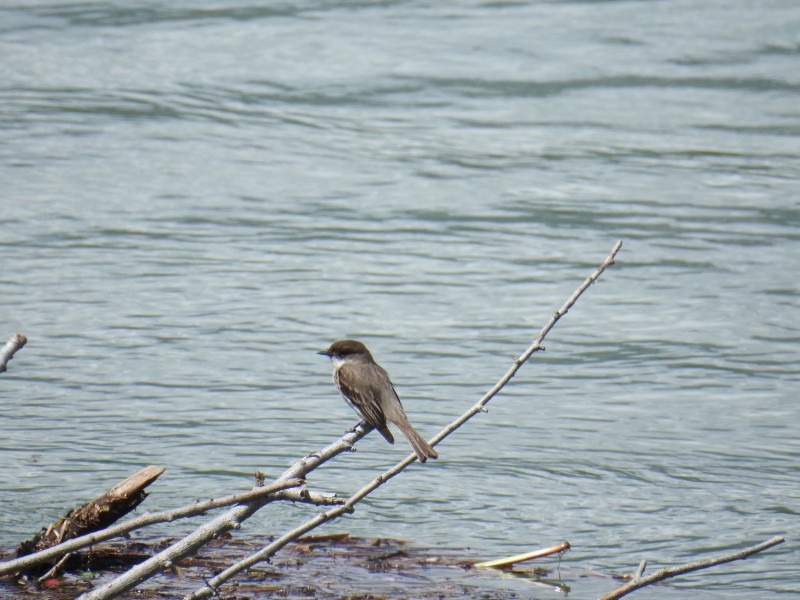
<point x="196" y="200"/>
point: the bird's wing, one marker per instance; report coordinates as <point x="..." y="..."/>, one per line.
<point x="364" y="398"/>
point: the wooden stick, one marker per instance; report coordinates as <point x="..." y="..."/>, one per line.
<point x="56" y="568"/>
<point x="505" y="562"/>
<point x="14" y="343"/>
<point x="666" y="573"/>
<point x="212" y="585"/>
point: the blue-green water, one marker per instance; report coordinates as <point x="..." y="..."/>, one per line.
<point x="193" y="201"/>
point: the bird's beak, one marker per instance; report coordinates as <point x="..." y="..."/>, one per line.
<point x="324" y="353"/>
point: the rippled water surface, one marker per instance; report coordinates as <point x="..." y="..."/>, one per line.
<point x="197" y="199"/>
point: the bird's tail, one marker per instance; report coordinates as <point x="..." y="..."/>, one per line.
<point x="421" y="447"/>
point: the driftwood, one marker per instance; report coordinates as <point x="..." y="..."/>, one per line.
<point x="335" y="565"/>
<point x="97" y="514"/>
<point x="518" y="558"/>
<point x="14" y="343"/>
<point x="639" y="582"/>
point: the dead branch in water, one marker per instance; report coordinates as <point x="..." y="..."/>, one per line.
<point x="662" y="574"/>
<point x="518" y="558"/>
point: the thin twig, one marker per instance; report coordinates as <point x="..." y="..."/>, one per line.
<point x="212" y="585"/>
<point x="56" y="569"/>
<point x="14" y="343"/>
<point x="278" y="490"/>
<point x="666" y="573"/>
<point x="534" y="347"/>
<point x="640" y="570"/>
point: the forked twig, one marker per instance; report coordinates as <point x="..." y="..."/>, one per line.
<point x="668" y="572"/>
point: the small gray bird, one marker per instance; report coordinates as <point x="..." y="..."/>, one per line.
<point x="366" y="386"/>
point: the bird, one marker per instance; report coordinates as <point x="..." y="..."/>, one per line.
<point x="366" y="387"/>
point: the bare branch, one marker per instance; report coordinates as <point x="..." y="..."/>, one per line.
<point x="214" y="583"/>
<point x="666" y="573"/>
<point x="55" y="569"/>
<point x="14" y="343"/>
<point x="305" y="496"/>
<point x="534" y="347"/>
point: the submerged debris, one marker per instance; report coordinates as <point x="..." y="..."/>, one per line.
<point x="336" y="566"/>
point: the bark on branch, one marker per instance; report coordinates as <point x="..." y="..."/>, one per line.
<point x="97" y="514"/>
<point x="14" y="343"/>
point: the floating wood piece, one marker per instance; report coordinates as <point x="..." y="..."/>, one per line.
<point x="97" y="514"/>
<point x="507" y="562"/>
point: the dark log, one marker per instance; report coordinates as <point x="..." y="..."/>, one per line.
<point x="95" y="515"/>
